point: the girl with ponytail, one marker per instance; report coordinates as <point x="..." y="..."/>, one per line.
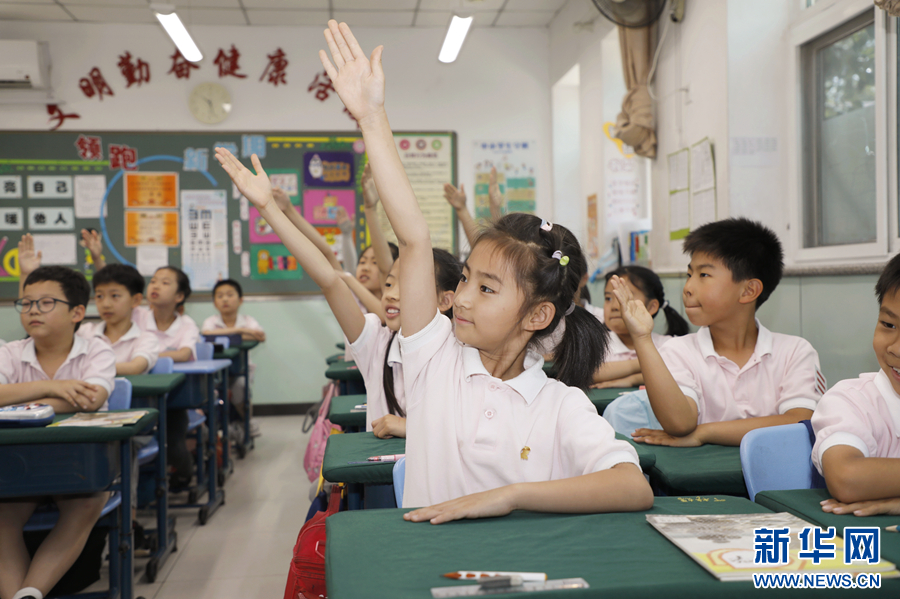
<point x="622" y="368"/>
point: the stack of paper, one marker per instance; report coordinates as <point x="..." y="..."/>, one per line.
<point x="107" y="419"/>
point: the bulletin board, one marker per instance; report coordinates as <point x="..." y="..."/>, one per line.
<point x="166" y="200"/>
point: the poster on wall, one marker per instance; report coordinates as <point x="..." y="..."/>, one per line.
<point x="516" y="164"/>
<point x="679" y="164"/>
<point x="151" y="227"/>
<point x="269" y="262"/>
<point x="703" y="184"/>
<point x="204" y="250"/>
<point x="151" y="190"/>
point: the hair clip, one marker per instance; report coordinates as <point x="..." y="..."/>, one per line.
<point x="563" y="260"/>
<point x="571" y="309"/>
<point x="546" y="225"/>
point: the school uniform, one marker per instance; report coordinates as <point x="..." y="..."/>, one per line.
<point x="242" y="321"/>
<point x="863" y="413"/>
<point x="133" y="344"/>
<point x="89" y="360"/>
<point x="183" y="331"/>
<point x="368" y="352"/>
<point x="619" y="352"/>
<point x="468" y="431"/>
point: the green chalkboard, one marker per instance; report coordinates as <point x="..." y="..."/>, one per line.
<point x="167" y="188"/>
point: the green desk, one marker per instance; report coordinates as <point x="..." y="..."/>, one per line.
<point x="154" y="385"/>
<point x="804" y="504"/>
<point x="240" y="366"/>
<point x="342" y="412"/>
<point x="619" y="555"/>
<point x="646" y="455"/>
<point x="356" y="447"/>
<point x="338" y="357"/>
<point x="704" y="470"/>
<point x="73" y="434"/>
<point x="603" y="397"/>
<point x="343" y="371"/>
<point x="340" y="346"/>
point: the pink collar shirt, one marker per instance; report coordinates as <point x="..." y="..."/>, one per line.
<point x="183" y="331"/>
<point x="89" y="360"/>
<point x="782" y="374"/>
<point x="863" y="413"/>
<point x="619" y="352"/>
<point x="133" y="344"/>
<point x="468" y="431"/>
<point x="368" y="352"/>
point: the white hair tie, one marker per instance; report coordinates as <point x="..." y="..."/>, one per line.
<point x="546" y="225"/>
<point x="571" y="309"/>
<point x="665" y="305"/>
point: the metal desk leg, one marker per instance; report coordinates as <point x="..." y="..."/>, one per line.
<point x="227" y="466"/>
<point x="216" y="496"/>
<point x="245" y="364"/>
<point x="166" y="538"/>
<point x="125" y="546"/>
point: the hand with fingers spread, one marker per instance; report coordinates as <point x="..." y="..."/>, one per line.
<point x="256" y="188"/>
<point x="341" y="218"/>
<point x="370" y="192"/>
<point x="634" y="312"/>
<point x="455" y="197"/>
<point x="357" y="78"/>
<point x="487" y="504"/>
<point x="863" y="508"/>
<point x="282" y="200"/>
<point x="78" y="394"/>
<point x="29" y="261"/>
<point x="495" y="198"/>
<point x="93" y="242"/>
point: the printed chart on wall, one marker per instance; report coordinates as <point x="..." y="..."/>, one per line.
<point x="516" y="164"/>
<point x="430" y="162"/>
<point x="162" y="198"/>
<point x="703" y="184"/>
<point x="679" y="194"/>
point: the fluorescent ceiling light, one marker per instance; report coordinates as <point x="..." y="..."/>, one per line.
<point x="456" y="35"/>
<point x="175" y="28"/>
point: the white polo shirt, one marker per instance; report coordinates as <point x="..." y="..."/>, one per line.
<point x="466" y="430"/>
<point x="242" y="321"/>
<point x="89" y="360"/>
<point x="863" y="413"/>
<point x="134" y="343"/>
<point x="782" y="374"/>
<point x="183" y="331"/>
<point x="619" y="352"/>
<point x="368" y="352"/>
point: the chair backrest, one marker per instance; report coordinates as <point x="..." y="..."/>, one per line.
<point x="204" y="350"/>
<point x="399" y="474"/>
<point x="120" y="398"/>
<point x="778" y="458"/>
<point x="164" y="365"/>
<point x="225" y="342"/>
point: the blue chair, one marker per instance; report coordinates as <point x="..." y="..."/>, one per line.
<point x="399" y="474"/>
<point x="163" y="366"/>
<point x="120" y="398"/>
<point x="204" y="350"/>
<point x="779" y="458"/>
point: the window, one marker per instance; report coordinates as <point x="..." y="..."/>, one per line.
<point x="840" y="203"/>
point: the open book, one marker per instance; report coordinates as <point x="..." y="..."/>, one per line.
<point x="107" y="419"/>
<point x="724" y="545"/>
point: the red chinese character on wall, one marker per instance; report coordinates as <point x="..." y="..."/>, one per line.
<point x="180" y="66"/>
<point x="322" y="85"/>
<point x="89" y="148"/>
<point x="134" y="72"/>
<point x="95" y="85"/>
<point x="275" y="70"/>
<point x="122" y="157"/>
<point x="56" y="112"/>
<point x="228" y="63"/>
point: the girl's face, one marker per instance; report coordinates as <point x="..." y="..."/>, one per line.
<point x="162" y="292"/>
<point x="367" y="271"/>
<point x="390" y="297"/>
<point x="612" y="311"/>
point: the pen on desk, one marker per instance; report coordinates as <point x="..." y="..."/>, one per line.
<point x="386" y="458"/>
<point x="891" y="528"/>
<point x="471" y="575"/>
<point x="361" y="406"/>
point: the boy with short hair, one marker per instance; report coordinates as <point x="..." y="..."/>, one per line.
<point x="733" y="375"/>
<point x="56" y="367"/>
<point x="118" y="290"/>
<point x="857" y="423"/>
<point x="228" y="297"/>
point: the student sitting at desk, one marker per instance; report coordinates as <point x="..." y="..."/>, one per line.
<point x="857" y="422"/>
<point x="56" y="367"/>
<point x="488" y="433"/>
<point x="228" y="297"/>
<point x="733" y="375"/>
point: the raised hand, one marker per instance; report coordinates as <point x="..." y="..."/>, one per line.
<point x="358" y="79"/>
<point x="93" y="242"/>
<point x="637" y="319"/>
<point x="494" y="196"/>
<point x="455" y="197"/>
<point x="29" y="261"/>
<point x="282" y="200"/>
<point x="256" y="188"/>
<point x="370" y="192"/>
<point x="342" y="217"/>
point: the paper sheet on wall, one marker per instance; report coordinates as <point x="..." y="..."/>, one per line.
<point x="703" y="171"/>
<point x="89" y="192"/>
<point x="56" y="249"/>
<point x="679" y="215"/>
<point x="204" y="248"/>
<point x="151" y="257"/>
<point x="703" y="207"/>
<point x="679" y="170"/>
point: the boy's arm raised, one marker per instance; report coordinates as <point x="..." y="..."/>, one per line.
<point x="359" y="81"/>
<point x="457" y="198"/>
<point x="258" y="190"/>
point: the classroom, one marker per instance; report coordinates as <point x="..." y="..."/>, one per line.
<point x="230" y="192"/>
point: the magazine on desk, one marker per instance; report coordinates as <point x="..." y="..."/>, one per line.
<point x="724" y="545"/>
<point x="105" y="419"/>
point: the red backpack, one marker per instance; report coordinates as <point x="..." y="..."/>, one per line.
<point x="306" y="578"/>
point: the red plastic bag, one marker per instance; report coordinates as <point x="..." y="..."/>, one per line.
<point x="315" y="449"/>
<point x="306" y="578"/>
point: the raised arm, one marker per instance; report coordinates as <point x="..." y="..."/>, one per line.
<point x="359" y="81"/>
<point x="284" y="204"/>
<point x="457" y="199"/>
<point x="94" y="243"/>
<point x="258" y="190"/>
<point x="372" y="303"/>
<point x="380" y="246"/>
<point x="29" y="261"/>
<point x="495" y="198"/>
<point x="348" y="241"/>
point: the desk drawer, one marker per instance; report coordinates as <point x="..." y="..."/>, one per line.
<point x="57" y="468"/>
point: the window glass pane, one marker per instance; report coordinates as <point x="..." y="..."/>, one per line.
<point x="845" y="135"/>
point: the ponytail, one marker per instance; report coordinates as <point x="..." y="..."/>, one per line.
<point x="676" y="325"/>
<point x="387" y="379"/>
<point x="649" y="283"/>
<point x="581" y="350"/>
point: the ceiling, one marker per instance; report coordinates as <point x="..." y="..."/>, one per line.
<point x="367" y="13"/>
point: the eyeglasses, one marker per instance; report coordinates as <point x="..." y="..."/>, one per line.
<point x="45" y="304"/>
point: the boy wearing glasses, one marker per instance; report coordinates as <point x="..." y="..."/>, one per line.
<point x="59" y="368"/>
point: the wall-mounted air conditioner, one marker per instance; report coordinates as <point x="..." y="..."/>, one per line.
<point x="24" y="65"/>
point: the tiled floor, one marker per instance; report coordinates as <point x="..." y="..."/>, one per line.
<point x="245" y="549"/>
